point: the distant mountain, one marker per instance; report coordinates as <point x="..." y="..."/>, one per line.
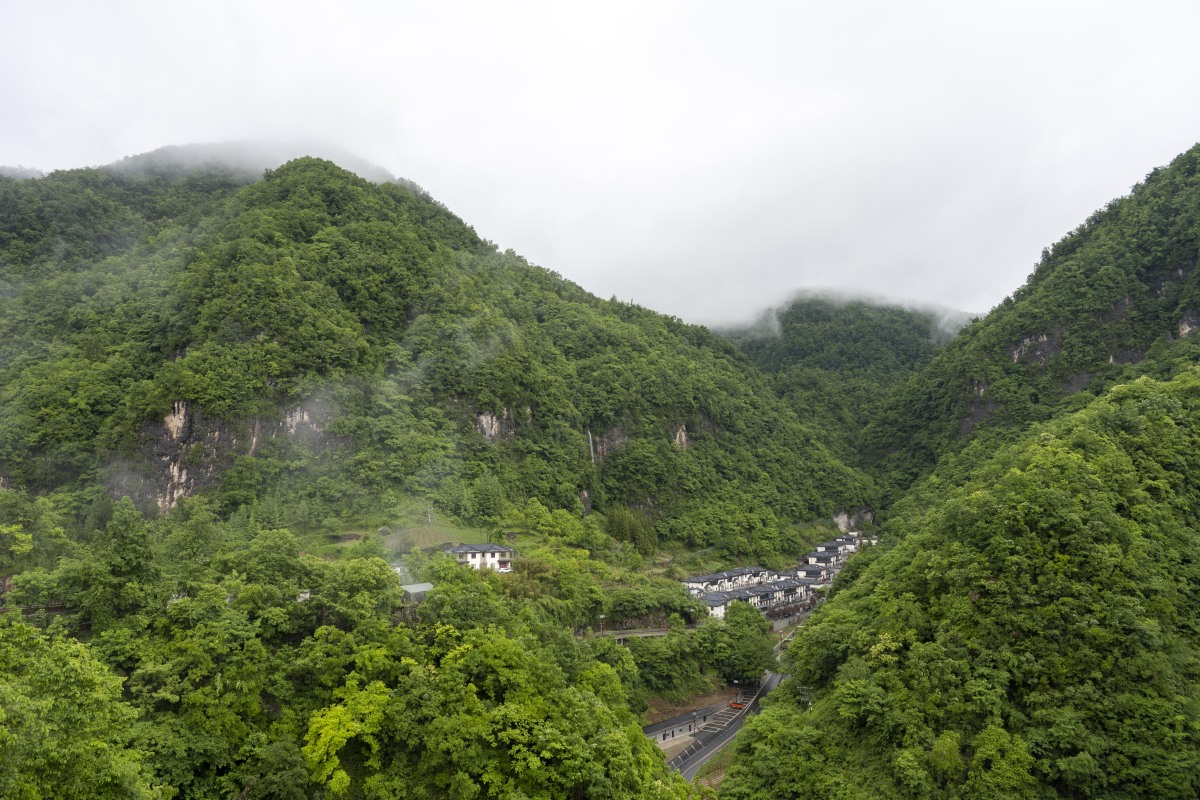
<point x="170" y="325"/>
<point x="1116" y="298"/>
<point x="834" y="359"/>
<point x="249" y="157"/>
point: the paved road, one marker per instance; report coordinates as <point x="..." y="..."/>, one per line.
<point x="715" y="735"/>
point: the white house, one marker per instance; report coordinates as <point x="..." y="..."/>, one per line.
<point x="735" y="578"/>
<point x="496" y="557"/>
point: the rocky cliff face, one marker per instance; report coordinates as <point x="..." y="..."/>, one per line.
<point x="853" y="520"/>
<point x="187" y="452"/>
<point x="495" y="427"/>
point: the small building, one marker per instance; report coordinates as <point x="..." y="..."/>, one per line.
<point x="815" y="572"/>
<point x="850" y="543"/>
<point x="823" y="559"/>
<point x="701" y="584"/>
<point x="662" y="733"/>
<point x="717" y="602"/>
<point x="415" y="592"/>
<point x="497" y="557"/>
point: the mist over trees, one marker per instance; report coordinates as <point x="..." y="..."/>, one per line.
<point x="373" y="308"/>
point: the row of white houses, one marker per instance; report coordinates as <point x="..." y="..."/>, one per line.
<point x="765" y="589"/>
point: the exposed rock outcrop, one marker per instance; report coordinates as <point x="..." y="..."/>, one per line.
<point x="1126" y="357"/>
<point x="187" y="451"/>
<point x="608" y="442"/>
<point x="681" y="438"/>
<point x="1188" y="323"/>
<point x="982" y="407"/>
<point x="1037" y="349"/>
<point x="853" y="520"/>
<point x="494" y="428"/>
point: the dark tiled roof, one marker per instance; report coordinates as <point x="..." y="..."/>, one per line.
<point x="479" y="548"/>
<point x="731" y="573"/>
<point x="682" y="719"/>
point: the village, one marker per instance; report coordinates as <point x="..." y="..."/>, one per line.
<point x="690" y="739"/>
<point x="783" y="596"/>
<point x="777" y="594"/>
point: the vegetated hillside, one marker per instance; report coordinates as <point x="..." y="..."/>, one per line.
<point x="834" y="360"/>
<point x="328" y="343"/>
<point x="261" y="361"/>
<point x="1034" y="633"/>
<point x="1116" y="298"/>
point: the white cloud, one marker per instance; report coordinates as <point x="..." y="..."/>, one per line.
<point x="701" y="158"/>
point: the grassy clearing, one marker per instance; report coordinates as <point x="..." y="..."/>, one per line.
<point x="401" y="526"/>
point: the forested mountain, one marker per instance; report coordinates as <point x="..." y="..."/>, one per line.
<point x="329" y="341"/>
<point x="1114" y="299"/>
<point x="208" y="374"/>
<point x="835" y="360"/>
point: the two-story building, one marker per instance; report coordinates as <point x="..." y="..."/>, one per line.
<point x="728" y="580"/>
<point x="496" y="557"/>
<point x="828" y="560"/>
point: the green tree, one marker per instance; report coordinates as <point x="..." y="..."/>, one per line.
<point x="64" y="729"/>
<point x="740" y="646"/>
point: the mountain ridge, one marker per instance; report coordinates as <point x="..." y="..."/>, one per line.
<point x="262" y="295"/>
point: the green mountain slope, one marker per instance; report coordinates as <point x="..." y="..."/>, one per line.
<point x="1033" y="630"/>
<point x="1118" y="297"/>
<point x="332" y="342"/>
<point x="1034" y="634"/>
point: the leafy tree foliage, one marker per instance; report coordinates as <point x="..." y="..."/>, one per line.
<point x="250" y="669"/>
<point x="64" y="729"/>
<point x="740" y="646"/>
<point x="1032" y="635"/>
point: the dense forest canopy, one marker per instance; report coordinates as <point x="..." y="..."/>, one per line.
<point x="1033" y="634"/>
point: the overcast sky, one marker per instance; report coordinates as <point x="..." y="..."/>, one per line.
<point x="703" y="159"/>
